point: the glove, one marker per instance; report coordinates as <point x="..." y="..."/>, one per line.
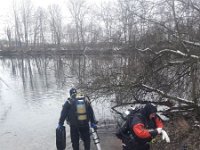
<point x="94" y="126"/>
<point x="59" y="127"/>
<point x="159" y="130"/>
<point x="165" y="136"/>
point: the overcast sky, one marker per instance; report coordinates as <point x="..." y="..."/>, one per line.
<point x="6" y="9"/>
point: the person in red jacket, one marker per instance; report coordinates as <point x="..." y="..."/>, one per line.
<point x="144" y="126"/>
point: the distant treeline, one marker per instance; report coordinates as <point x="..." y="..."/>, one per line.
<point x="113" y="24"/>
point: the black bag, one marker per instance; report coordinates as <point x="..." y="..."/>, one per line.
<point x="61" y="138"/>
<point x="123" y="130"/>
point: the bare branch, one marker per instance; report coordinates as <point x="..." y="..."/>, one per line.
<point x="176" y="52"/>
<point x="178" y="99"/>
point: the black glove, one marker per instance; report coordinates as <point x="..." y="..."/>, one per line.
<point x="94" y="126"/>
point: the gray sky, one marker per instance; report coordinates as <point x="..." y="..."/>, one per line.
<point x="6" y="11"/>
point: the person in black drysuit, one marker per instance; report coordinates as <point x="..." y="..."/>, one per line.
<point x="143" y="127"/>
<point x="78" y="128"/>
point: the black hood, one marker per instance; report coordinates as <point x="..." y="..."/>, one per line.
<point x="148" y="109"/>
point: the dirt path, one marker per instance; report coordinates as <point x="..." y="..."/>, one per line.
<point x="108" y="142"/>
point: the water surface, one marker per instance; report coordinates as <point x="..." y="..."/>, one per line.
<point x="32" y="92"/>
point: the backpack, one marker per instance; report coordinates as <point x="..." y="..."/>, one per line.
<point x="123" y="129"/>
<point x="78" y="111"/>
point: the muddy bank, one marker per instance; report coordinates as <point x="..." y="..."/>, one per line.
<point x="184" y="133"/>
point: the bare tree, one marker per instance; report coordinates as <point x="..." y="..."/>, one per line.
<point x="9" y="36"/>
<point x="127" y="19"/>
<point x="78" y="10"/>
<point x="39" y="27"/>
<point x="18" y="34"/>
<point x="26" y="19"/>
<point x="56" y="25"/>
<point x="107" y="16"/>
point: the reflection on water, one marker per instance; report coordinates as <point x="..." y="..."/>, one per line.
<point x="32" y="91"/>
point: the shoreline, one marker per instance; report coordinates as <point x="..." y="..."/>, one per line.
<point x="61" y="52"/>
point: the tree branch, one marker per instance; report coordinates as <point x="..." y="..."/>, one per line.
<point x="178" y="99"/>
